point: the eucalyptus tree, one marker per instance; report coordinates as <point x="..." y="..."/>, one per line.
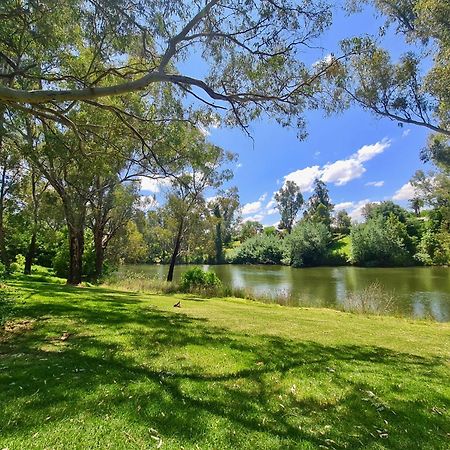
<point x="58" y="53"/>
<point x="319" y="206"/>
<point x="411" y="90"/>
<point x="342" y="222"/>
<point x="225" y="208"/>
<point x="205" y="169"/>
<point x="34" y="192"/>
<point x="11" y="171"/>
<point x="111" y="206"/>
<point x="289" y="202"/>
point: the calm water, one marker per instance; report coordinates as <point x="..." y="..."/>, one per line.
<point x="420" y="291"/>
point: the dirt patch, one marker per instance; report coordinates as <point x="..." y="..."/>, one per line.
<point x="18" y="326"/>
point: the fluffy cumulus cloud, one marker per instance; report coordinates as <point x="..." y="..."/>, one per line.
<point x="343" y="205"/>
<point x="354" y="209"/>
<point x="152" y="185"/>
<point x="254" y="207"/>
<point x="304" y="178"/>
<point x="255" y="218"/>
<point x="257" y="211"/>
<point x="375" y="183"/>
<point x="342" y="171"/>
<point x="356" y="212"/>
<point x="406" y="192"/>
<point x="251" y="208"/>
<point x="339" y="172"/>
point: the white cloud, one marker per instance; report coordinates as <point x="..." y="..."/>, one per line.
<point x="304" y="178"/>
<point x="375" y="183"/>
<point x="251" y="208"/>
<point x="354" y="209"/>
<point x="342" y="171"/>
<point x="238" y="165"/>
<point x="367" y="152"/>
<point x="254" y="207"/>
<point x="152" y="185"/>
<point x="343" y="205"/>
<point x="271" y="204"/>
<point x="255" y="218"/>
<point x="406" y="132"/>
<point x="339" y="172"/>
<point x="406" y="192"/>
<point x="271" y="211"/>
<point x="356" y="213"/>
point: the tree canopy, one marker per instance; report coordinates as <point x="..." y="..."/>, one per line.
<point x="406" y="90"/>
<point x="55" y="54"/>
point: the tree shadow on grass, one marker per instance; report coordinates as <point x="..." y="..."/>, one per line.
<point x="198" y="384"/>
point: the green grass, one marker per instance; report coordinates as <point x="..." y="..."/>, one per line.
<point x="136" y="373"/>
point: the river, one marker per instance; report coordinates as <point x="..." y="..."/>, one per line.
<point x="421" y="292"/>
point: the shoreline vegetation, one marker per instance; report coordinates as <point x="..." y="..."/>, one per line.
<point x="374" y="299"/>
<point x="103" y="367"/>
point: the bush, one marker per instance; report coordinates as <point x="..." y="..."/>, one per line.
<point x="380" y="242"/>
<point x="307" y="245"/>
<point x="196" y="278"/>
<point x="434" y="248"/>
<point x="260" y="249"/>
<point x="14" y="267"/>
<point x="18" y="265"/>
<point x="2" y="270"/>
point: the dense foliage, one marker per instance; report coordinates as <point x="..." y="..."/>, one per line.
<point x="196" y="278"/>
<point x="260" y="249"/>
<point x="308" y="244"/>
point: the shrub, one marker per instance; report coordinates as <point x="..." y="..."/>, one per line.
<point x="196" y="278"/>
<point x="434" y="248"/>
<point x="260" y="249"/>
<point x="18" y="264"/>
<point x="2" y="270"/>
<point x="307" y="245"/>
<point x="14" y="267"/>
<point x="382" y="242"/>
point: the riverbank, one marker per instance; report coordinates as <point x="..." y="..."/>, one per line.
<point x="95" y="367"/>
<point x="419" y="292"/>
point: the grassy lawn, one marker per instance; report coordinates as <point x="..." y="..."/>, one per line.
<point x="84" y="368"/>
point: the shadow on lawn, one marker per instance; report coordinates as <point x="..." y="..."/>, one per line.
<point x="144" y="369"/>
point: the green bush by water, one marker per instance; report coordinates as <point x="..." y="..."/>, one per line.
<point x="196" y="278"/>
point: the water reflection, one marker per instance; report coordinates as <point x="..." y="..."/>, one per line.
<point x="419" y="291"/>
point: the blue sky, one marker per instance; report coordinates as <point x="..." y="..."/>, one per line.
<point x="361" y="157"/>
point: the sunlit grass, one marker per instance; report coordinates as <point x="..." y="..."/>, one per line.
<point x="103" y="368"/>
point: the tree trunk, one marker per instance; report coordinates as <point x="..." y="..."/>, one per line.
<point x="30" y="254"/>
<point x="76" y="249"/>
<point x="219" y="244"/>
<point x="32" y="247"/>
<point x="176" y="250"/>
<point x="99" y="252"/>
<point x="3" y="255"/>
